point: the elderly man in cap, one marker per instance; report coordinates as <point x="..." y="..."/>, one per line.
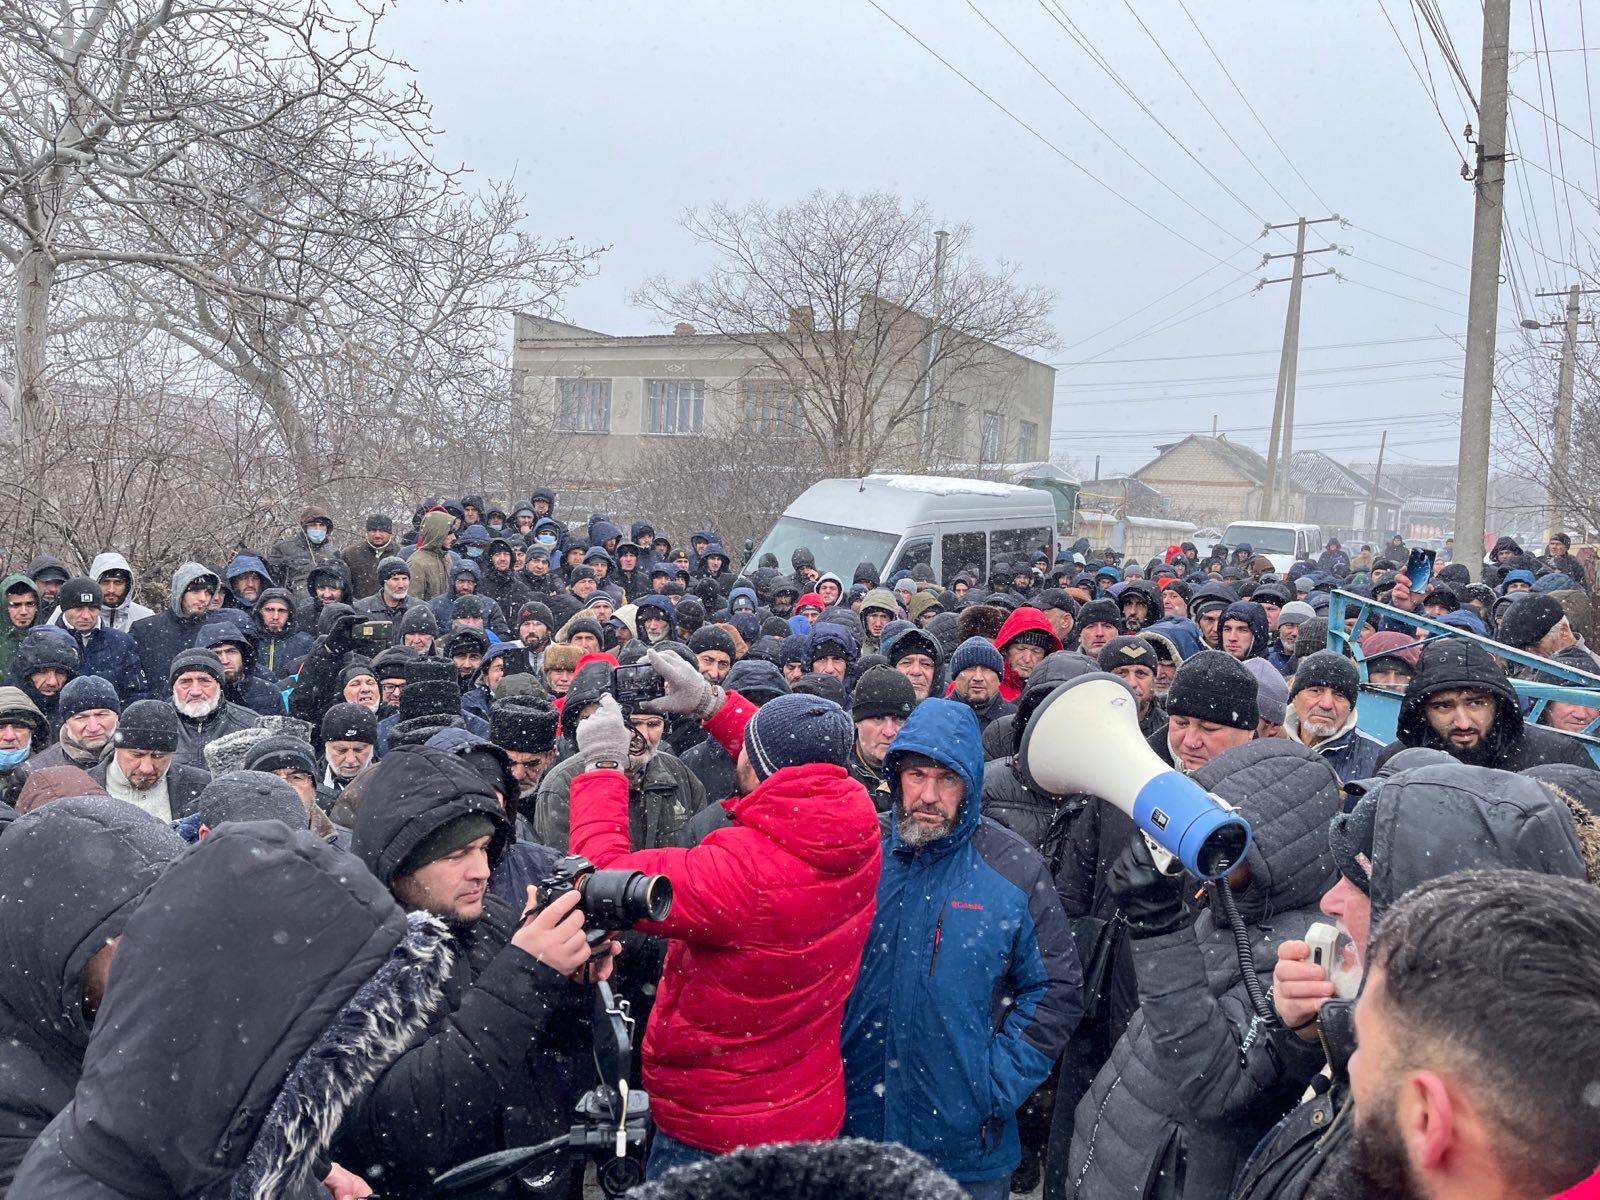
<point x="1133" y="660"/>
<point x="1322" y="715"/>
<point x="1212" y="706"/>
<point x="392" y="599"/>
<point x="766" y="929"/>
<point x="87" y="712"/>
<point x="23" y="731"/>
<point x="141" y="768"/>
<point x="349" y="741"/>
<point x="196" y="680"/>
<point x="108" y="653"/>
<point x="1287" y="635"/>
<point x="1539" y="625"/>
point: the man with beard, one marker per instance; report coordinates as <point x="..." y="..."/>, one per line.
<point x="534" y="622"/>
<point x="87" y="710"/>
<point x="1322" y="715"/>
<point x="140" y="768"/>
<point x="1460" y="701"/>
<point x="163" y="636"/>
<point x="967" y="919"/>
<point x="242" y="684"/>
<point x="525" y="728"/>
<point x="1475" y="1073"/>
<point x="196" y="680"/>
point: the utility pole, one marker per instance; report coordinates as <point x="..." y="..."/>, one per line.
<point x="1560" y="492"/>
<point x="1483" y="293"/>
<point x="1280" y="463"/>
<point x="1372" y="501"/>
<point x="934" y="328"/>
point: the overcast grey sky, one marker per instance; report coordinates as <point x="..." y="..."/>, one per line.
<point x="615" y="117"/>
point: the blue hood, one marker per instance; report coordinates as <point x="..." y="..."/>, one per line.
<point x="466" y="567"/>
<point x="1181" y="632"/>
<point x="947" y="732"/>
<point x="243" y="564"/>
<point x="827" y="631"/>
<point x="600" y="531"/>
<point x="748" y="593"/>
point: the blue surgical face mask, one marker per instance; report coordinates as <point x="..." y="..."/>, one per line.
<point x="547" y="539"/>
<point x="12" y="758"/>
<point x="316" y="535"/>
<point x="474" y="552"/>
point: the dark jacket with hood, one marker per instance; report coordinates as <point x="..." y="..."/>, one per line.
<point x="1428" y="822"/>
<point x="465" y="1084"/>
<point x="969" y="984"/>
<point x="163" y="637"/>
<point x="1195" y="1081"/>
<point x="277" y="653"/>
<point x="253" y="689"/>
<point x="293" y="559"/>
<point x="113" y="656"/>
<point x="1255" y="616"/>
<point x="1512" y="744"/>
<point x="239" y="565"/>
<point x="70" y="876"/>
<point x="45" y="646"/>
<point x="311" y="608"/>
<point x="305" y="1005"/>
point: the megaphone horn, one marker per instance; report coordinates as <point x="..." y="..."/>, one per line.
<point x="1085" y="738"/>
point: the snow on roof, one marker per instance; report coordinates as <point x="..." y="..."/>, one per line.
<point x="941" y="485"/>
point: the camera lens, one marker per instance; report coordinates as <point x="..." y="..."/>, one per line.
<point x="621" y="899"/>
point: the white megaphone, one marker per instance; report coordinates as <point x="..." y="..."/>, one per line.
<point x="1085" y="738"/>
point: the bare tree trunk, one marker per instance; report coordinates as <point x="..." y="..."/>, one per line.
<point x="35" y="275"/>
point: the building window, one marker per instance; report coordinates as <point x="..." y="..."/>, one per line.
<point x="674" y="405"/>
<point x="768" y="408"/>
<point x="989" y="438"/>
<point x="1027" y="441"/>
<point x="585" y="406"/>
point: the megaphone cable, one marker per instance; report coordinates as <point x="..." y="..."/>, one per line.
<point x="1241" y="943"/>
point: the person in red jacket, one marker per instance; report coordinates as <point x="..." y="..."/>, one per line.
<point x="1023" y="641"/>
<point x="769" y="918"/>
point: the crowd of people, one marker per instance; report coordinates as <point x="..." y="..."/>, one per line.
<point x="273" y="844"/>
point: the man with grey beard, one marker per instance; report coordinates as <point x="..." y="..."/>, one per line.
<point x="204" y="715"/>
<point x="1322" y="715"/>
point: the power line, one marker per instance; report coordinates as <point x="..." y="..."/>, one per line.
<point x="1102" y="129"/>
<point x="1454" y="291"/>
<point x="1432" y="337"/>
<point x="1321" y="203"/>
<point x="1432" y="96"/>
<point x="1169" y="323"/>
<point x="1343" y="278"/>
<point x="1588" y="95"/>
<point x="1057" y="150"/>
<point x="1188" y="396"/>
<point x="1289" y="204"/>
<point x="1447" y="47"/>
<point x="1404" y="246"/>
<point x="1555" y="115"/>
<point x="1145" y="308"/>
<point x="1183" y="381"/>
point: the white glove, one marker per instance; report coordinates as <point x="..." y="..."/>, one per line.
<point x="689" y="693"/>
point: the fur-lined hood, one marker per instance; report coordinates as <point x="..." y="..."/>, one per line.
<point x="261" y="987"/>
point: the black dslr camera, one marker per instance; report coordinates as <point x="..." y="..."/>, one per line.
<point x="609" y="900"/>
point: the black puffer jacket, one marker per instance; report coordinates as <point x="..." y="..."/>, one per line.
<point x="1196" y="1079"/>
<point x="1512" y="745"/>
<point x="481" y="1076"/>
<point x="312" y="980"/>
<point x="70" y="875"/>
<point x="1427" y="823"/>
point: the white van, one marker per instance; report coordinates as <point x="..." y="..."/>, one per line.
<point x="898" y="521"/>
<point x="1282" y="543"/>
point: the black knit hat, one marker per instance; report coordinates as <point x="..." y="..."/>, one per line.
<point x="826" y="687"/>
<point x="882" y="692"/>
<point x="147" y="725"/>
<point x="393" y="565"/>
<point x="1127" y="652"/>
<point x="1213" y="686"/>
<point x="350" y="723"/>
<point x="586" y="625"/>
<point x="79" y="592"/>
<point x="280" y="753"/>
<point x="377" y="522"/>
<point x="195" y="660"/>
<point x="1529" y="619"/>
<point x="1329" y="669"/>
<point x="522" y="723"/>
<point x="86" y="692"/>
<point x="251" y="795"/>
<point x="795" y="730"/>
<point x="533" y="610"/>
<point x="1101" y="612"/>
<point x="709" y="637"/>
<point x="447" y="839"/>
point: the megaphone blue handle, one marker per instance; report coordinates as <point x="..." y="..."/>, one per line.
<point x="1189" y="824"/>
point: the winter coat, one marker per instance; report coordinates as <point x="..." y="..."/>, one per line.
<point x="310" y="610"/>
<point x="993" y="710"/>
<point x="468" y="1082"/>
<point x="291" y="560"/>
<point x="505" y="589"/>
<point x="244" y="564"/>
<point x="305" y="1004"/>
<point x="1255" y="616"/>
<point x="374" y="606"/>
<point x="70" y="876"/>
<point x="1197" y="1078"/>
<point x="46" y="646"/>
<point x="1512" y="744"/>
<point x="184" y="784"/>
<point x="164" y="636"/>
<point x="1009" y="801"/>
<point x="768" y="920"/>
<point x="194" y="736"/>
<point x="112" y="655"/>
<point x="10" y="634"/>
<point x="125" y="614"/>
<point x="969" y="985"/>
<point x="710" y="764"/>
<point x="1351" y="753"/>
<point x="362" y="562"/>
<point x="429" y="563"/>
<point x="1017" y="622"/>
<point x="1334" y="562"/>
<point x="1428" y="823"/>
<point x="277" y="654"/>
<point x="660" y="803"/>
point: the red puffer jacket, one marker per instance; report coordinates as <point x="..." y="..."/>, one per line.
<point x="1017" y="622"/>
<point x="769" y="918"/>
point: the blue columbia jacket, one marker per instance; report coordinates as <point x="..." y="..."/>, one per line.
<point x="969" y="984"/>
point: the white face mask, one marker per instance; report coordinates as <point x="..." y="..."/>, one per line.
<point x="316" y="536"/>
